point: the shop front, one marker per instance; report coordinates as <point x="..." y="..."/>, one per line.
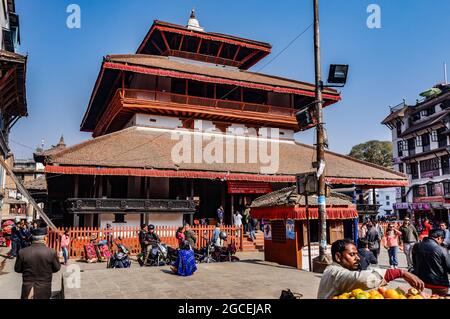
<point x="286" y="234"/>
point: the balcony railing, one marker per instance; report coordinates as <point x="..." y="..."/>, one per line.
<point x="207" y="102"/>
<point x="98" y="205"/>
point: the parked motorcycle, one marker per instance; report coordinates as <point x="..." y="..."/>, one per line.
<point x="204" y="254"/>
<point x="158" y="254"/>
<point x="120" y="258"/>
<point x="223" y="254"/>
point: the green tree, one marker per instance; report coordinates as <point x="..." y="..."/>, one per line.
<point x="377" y="152"/>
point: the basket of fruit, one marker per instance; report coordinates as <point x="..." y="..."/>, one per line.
<point x="387" y="293"/>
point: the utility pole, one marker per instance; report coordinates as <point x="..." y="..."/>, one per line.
<point x="320" y="262"/>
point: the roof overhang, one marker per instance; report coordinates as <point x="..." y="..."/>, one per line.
<point x="12" y="84"/>
<point x="163" y="32"/>
<point x="225" y="176"/>
<point x="299" y="212"/>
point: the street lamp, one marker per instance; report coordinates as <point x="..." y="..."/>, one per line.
<point x="337" y="75"/>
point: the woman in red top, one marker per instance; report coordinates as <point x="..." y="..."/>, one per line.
<point x="426" y="228"/>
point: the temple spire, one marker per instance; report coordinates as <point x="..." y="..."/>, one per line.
<point x="61" y="142"/>
<point x="193" y="23"/>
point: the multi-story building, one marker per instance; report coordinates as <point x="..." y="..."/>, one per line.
<point x="13" y="104"/>
<point x="385" y="198"/>
<point x="420" y="137"/>
<point x="184" y="118"/>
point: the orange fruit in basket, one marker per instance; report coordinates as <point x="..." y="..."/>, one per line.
<point x="391" y="294"/>
<point x="382" y="290"/>
<point x="402" y="297"/>
<point x="377" y="296"/>
<point x="356" y="292"/>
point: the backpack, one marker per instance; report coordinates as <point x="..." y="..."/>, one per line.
<point x="288" y="294"/>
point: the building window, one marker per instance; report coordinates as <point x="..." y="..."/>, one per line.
<point x="413" y="170"/>
<point x="387" y="197"/>
<point x="445" y="165"/>
<point x="419" y="191"/>
<point x="446" y="188"/>
<point x="401" y="168"/>
<point x="400" y="148"/>
<point x="388" y="203"/>
<point x="399" y="128"/>
<point x="425" y="142"/>
<point x="430" y="189"/>
<point x="119" y="218"/>
<point x="442" y="139"/>
<point x="412" y="146"/>
<point x="429" y="168"/>
<point x="434" y="136"/>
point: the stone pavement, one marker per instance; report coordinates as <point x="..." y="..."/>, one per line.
<point x="11" y="282"/>
<point x="250" y="278"/>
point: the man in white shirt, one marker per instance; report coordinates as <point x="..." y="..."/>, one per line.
<point x="238" y="222"/>
<point x="343" y="274"/>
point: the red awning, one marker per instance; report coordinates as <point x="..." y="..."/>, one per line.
<point x="120" y="171"/>
<point x="299" y="212"/>
<point x="235" y="187"/>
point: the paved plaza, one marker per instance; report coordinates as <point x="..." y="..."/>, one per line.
<point x="250" y="278"/>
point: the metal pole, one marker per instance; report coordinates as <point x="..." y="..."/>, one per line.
<point x="322" y="261"/>
<point x="308" y="233"/>
<point x="445" y="73"/>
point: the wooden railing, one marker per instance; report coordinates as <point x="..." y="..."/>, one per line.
<point x="79" y="236"/>
<point x="148" y="95"/>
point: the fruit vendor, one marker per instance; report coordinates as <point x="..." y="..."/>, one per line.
<point x="343" y="274"/>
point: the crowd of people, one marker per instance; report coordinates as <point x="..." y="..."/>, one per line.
<point x="426" y="248"/>
<point x="19" y="236"/>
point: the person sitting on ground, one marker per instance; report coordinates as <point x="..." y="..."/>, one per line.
<point x="431" y="262"/>
<point x="365" y="255"/>
<point x="343" y="274"/>
<point x="185" y="263"/>
<point x="190" y="235"/>
<point x="179" y="235"/>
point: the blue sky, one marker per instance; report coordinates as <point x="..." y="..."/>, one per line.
<point x="398" y="61"/>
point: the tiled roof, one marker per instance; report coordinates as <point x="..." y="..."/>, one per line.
<point x="39" y="183"/>
<point x="289" y="197"/>
<point x="432" y="120"/>
<point x="168" y="63"/>
<point x="151" y="148"/>
<point x="394" y="115"/>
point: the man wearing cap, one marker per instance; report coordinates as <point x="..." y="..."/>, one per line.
<point x="16" y="238"/>
<point x="37" y="264"/>
<point x="409" y="237"/>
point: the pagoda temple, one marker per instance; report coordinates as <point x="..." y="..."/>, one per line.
<point x="185" y="84"/>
